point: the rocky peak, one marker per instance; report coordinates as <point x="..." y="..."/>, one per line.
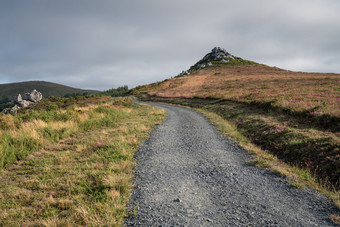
<point x="217" y="57"/>
<point x="217" y="54"/>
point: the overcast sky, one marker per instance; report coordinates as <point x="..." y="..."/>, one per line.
<point x="102" y="44"/>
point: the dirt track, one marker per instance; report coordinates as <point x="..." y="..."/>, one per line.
<point x="189" y="175"/>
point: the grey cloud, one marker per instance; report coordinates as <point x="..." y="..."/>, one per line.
<point x="108" y="43"/>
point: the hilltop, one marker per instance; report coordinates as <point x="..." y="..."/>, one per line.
<point x="217" y="57"/>
<point x="46" y="88"/>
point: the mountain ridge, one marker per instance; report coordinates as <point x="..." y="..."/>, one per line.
<point x="46" y="88"/>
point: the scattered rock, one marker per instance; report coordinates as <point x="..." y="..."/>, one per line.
<point x="201" y="66"/>
<point x="17" y="102"/>
<point x="6" y="110"/>
<point x="34" y="96"/>
<point x="184" y="73"/>
<point x="16" y="99"/>
<point x="25" y="103"/>
<point x="14" y="109"/>
<point x="177" y="200"/>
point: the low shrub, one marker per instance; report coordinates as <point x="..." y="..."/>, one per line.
<point x="15" y="148"/>
<point x="8" y="122"/>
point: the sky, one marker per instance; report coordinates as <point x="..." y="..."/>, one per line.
<point x="103" y="44"/>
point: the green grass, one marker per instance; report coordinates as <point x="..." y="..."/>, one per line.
<point x="15" y="148"/>
<point x="80" y="179"/>
<point x="51" y="120"/>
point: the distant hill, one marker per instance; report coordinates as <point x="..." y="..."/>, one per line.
<point x="46" y="88"/>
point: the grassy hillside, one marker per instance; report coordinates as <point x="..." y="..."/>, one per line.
<point x="293" y="115"/>
<point x="69" y="161"/>
<point x="46" y="88"/>
<point x="315" y="93"/>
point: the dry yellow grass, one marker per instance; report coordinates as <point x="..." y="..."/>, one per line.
<point x="81" y="180"/>
<point x="42" y="131"/>
<point x="7" y="122"/>
<point x="335" y="219"/>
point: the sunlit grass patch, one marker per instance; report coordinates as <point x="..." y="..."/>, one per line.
<point x="80" y="180"/>
<point x="48" y="123"/>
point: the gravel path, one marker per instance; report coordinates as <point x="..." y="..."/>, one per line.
<point x="189" y="175"/>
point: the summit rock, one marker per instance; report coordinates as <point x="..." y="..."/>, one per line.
<point x="217" y="54"/>
<point x="216" y="57"/>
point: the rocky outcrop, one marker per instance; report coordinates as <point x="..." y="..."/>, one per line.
<point x="17" y="102"/>
<point x="217" y="57"/>
<point x="25" y="103"/>
<point x="16" y="99"/>
<point x="34" y="96"/>
<point x="217" y="54"/>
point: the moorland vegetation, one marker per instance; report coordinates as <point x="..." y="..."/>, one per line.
<point x="69" y="161"/>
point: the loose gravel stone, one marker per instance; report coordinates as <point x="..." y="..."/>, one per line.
<point x="189" y="175"/>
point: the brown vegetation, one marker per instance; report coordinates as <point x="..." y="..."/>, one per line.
<point x="316" y="93"/>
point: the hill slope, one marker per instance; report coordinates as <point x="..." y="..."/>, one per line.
<point x="220" y="75"/>
<point x="46" y="88"/>
<point x="294" y="115"/>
